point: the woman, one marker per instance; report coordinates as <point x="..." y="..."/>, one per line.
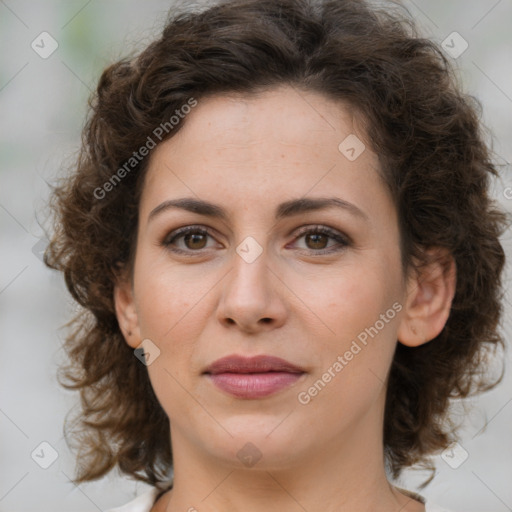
<point x="280" y="230"/>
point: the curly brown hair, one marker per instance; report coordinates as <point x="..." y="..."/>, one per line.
<point x="432" y="155"/>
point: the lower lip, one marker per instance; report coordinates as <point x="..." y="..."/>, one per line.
<point x="254" y="385"/>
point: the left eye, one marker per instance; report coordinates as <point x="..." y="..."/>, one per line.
<point x="317" y="240"/>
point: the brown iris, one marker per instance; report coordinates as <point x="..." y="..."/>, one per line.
<point x="319" y="240"/>
<point x="195" y="240"/>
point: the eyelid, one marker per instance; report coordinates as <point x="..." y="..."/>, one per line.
<point x="334" y="234"/>
<point x="179" y="232"/>
<point x="343" y="240"/>
<point x="325" y="229"/>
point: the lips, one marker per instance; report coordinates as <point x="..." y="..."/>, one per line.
<point x="257" y="364"/>
<point x="253" y="377"/>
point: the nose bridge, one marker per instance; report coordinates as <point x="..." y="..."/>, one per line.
<point x="249" y="296"/>
<point x="250" y="268"/>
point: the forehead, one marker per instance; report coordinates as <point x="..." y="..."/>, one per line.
<point x="266" y="147"/>
<point x="283" y="115"/>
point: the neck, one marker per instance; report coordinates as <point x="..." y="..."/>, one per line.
<point x="344" y="475"/>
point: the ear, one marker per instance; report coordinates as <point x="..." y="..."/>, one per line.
<point x="126" y="312"/>
<point x="430" y="292"/>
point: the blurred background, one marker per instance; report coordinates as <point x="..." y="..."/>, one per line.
<point x="51" y="55"/>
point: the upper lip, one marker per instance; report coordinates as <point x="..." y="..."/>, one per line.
<point x="256" y="364"/>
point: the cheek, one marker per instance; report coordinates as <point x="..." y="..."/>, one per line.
<point x="361" y="305"/>
<point x="171" y="309"/>
<point x="169" y="312"/>
<point x="349" y="300"/>
<point x="362" y="311"/>
<point x="169" y="299"/>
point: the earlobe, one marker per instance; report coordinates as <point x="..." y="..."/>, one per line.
<point x="126" y="313"/>
<point x="429" y="298"/>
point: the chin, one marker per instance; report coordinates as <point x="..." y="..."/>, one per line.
<point x="257" y="442"/>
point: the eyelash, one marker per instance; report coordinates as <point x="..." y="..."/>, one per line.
<point x="343" y="241"/>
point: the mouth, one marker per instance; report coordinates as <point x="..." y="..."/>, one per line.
<point x="253" y="377"/>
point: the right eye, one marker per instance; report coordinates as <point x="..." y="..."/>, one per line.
<point x="189" y="239"/>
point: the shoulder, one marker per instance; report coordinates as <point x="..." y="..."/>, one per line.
<point x="142" y="503"/>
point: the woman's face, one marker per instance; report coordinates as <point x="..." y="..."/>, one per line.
<point x="268" y="271"/>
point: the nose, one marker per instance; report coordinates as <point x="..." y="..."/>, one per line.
<point x="252" y="296"/>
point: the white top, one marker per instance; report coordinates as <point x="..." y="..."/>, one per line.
<point x="145" y="501"/>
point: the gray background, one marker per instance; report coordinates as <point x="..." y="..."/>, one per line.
<point x="42" y="109"/>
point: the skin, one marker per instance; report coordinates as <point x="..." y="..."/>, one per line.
<point x="248" y="154"/>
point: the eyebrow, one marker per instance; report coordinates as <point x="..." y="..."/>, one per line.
<point x="284" y="210"/>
